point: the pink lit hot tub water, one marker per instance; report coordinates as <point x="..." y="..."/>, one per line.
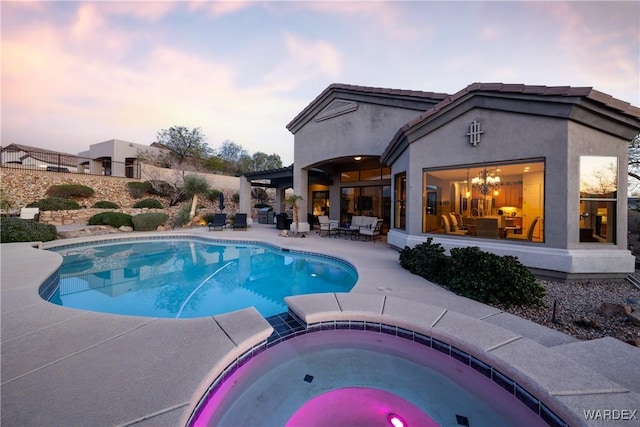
<point x="358" y="378"/>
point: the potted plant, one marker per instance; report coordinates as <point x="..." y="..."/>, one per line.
<point x="293" y="202"/>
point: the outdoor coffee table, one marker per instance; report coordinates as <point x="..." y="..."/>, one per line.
<point x="347" y="231"/>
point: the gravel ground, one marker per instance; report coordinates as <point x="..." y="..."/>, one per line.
<point x="579" y="313"/>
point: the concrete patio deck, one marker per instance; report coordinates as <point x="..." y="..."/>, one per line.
<point x="69" y="367"/>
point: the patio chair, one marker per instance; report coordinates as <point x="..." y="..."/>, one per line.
<point x="529" y="235"/>
<point x="447" y="228"/>
<point x="372" y="233"/>
<point x="327" y="226"/>
<point x="30" y="213"/>
<point x="219" y="221"/>
<point x="240" y="222"/>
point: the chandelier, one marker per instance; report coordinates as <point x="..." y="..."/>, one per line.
<point x="486" y="182"/>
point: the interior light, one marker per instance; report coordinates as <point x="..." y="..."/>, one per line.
<point x="396" y="420"/>
<point x="357" y="158"/>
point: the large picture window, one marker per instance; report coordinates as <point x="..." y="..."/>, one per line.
<point x="498" y="200"/>
<point x="598" y="198"/>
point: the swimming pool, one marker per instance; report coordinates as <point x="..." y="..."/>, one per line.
<point x="190" y="277"/>
<point x="357" y="377"/>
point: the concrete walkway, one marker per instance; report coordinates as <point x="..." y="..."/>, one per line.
<point x="68" y="367"/>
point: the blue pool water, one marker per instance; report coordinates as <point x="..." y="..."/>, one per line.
<point x="178" y="278"/>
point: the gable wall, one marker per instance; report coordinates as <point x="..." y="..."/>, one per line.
<point x="365" y="131"/>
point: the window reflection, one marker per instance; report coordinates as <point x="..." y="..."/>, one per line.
<point x="598" y="198"/>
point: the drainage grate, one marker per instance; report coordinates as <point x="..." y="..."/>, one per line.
<point x="462" y="420"/>
<point x="308" y="378"/>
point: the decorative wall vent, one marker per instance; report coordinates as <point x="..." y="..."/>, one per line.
<point x="336" y="108"/>
<point x="474" y="133"/>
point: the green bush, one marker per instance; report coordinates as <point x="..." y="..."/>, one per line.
<point x="182" y="216"/>
<point x="54" y="204"/>
<point x="105" y="204"/>
<point x="470" y="272"/>
<point x="208" y="217"/>
<point x="492" y="279"/>
<point x="235" y="197"/>
<point x="70" y="190"/>
<point x="148" y="203"/>
<point x="114" y="219"/>
<point x="149" y="221"/>
<point x="427" y="260"/>
<point x="138" y="189"/>
<point x="214" y="195"/>
<point x="24" y="230"/>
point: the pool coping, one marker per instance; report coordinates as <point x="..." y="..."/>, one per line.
<point x="47" y="348"/>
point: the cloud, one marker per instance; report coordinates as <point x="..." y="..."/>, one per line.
<point x="600" y="43"/>
<point x="220" y="8"/>
<point x="389" y="19"/>
<point x="306" y="60"/>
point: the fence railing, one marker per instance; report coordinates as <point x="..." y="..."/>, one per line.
<point x="47" y="161"/>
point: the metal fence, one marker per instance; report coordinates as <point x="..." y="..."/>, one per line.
<point x="49" y="161"/>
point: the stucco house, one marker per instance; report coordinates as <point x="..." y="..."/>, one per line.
<point x="531" y="171"/>
<point x="115" y="157"/>
<point x="38" y="158"/>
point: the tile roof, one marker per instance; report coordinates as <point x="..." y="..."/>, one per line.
<point x="569" y="91"/>
<point x="367" y="90"/>
<point x="556" y="91"/>
<point x="44" y="155"/>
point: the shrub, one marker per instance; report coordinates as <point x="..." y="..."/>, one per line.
<point x="149" y="221"/>
<point x="24" y="230"/>
<point x="114" y="219"/>
<point x="475" y="274"/>
<point x="104" y="204"/>
<point x="182" y="216"/>
<point x="70" y="190"/>
<point x="54" y="204"/>
<point x="148" y="203"/>
<point x="138" y="189"/>
<point x="214" y="195"/>
<point x="208" y="217"/>
<point x="492" y="279"/>
<point x="235" y="197"/>
<point x="167" y="190"/>
<point x="5" y="203"/>
<point x="426" y="260"/>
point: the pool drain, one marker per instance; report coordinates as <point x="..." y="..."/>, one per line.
<point x="308" y="378"/>
<point x="462" y="420"/>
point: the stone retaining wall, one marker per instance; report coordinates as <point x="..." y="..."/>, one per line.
<point x="22" y="186"/>
<point x="81" y="216"/>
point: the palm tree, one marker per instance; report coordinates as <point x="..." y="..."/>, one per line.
<point x="293" y="202"/>
<point x="193" y="186"/>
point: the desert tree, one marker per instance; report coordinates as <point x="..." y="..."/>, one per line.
<point x="194" y="186"/>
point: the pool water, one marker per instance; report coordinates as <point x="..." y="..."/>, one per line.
<point x="178" y="278"/>
<point x="359" y="378"/>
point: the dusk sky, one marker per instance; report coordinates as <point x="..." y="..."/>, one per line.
<point x="79" y="73"/>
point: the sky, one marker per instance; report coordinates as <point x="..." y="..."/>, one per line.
<point x="79" y="73"/>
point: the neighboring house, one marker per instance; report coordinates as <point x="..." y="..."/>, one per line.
<point x="115" y="157"/>
<point x="530" y="171"/>
<point x="38" y="158"/>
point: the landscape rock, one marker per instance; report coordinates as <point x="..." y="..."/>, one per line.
<point x="608" y="309"/>
<point x="126" y="229"/>
<point x="634" y="318"/>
